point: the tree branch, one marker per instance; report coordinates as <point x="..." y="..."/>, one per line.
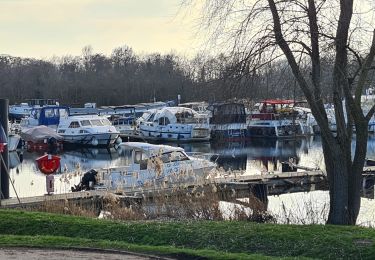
<point x="364" y="71"/>
<point x="318" y="111"/>
<point x="370" y="113"/>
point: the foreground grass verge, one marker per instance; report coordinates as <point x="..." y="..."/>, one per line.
<point x="209" y="239"/>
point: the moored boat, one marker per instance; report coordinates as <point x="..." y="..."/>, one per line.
<point x="174" y="124"/>
<point x="276" y="119"/>
<point x="154" y="166"/>
<point x="91" y="130"/>
<point x="228" y="121"/>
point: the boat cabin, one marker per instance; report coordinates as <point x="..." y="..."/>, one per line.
<point x="227" y="113"/>
<point x="48" y="116"/>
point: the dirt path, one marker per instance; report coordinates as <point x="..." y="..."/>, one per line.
<point x="62" y="254"/>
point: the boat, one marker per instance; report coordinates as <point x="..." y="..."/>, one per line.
<point x="228" y="121"/>
<point x="49" y="116"/>
<point x="13" y="141"/>
<point x="154" y="166"/>
<point x="174" y="124"/>
<point x="199" y="107"/>
<point x="41" y="138"/>
<point x="276" y="118"/>
<point x="126" y="126"/>
<point x="91" y="130"/>
<point x="19" y="111"/>
<point x="125" y="122"/>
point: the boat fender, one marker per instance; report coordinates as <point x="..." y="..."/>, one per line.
<point x="94" y="141"/>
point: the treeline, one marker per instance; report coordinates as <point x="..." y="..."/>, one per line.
<point x="127" y="78"/>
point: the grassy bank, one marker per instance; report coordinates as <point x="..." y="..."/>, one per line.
<point x="211" y="239"/>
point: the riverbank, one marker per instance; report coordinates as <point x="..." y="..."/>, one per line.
<point x="207" y="239"/>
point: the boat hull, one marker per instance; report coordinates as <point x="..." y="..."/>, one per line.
<point x="100" y="139"/>
<point x="195" y="135"/>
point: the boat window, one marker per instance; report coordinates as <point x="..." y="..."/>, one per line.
<point x="137" y="157"/>
<point x="151" y="117"/>
<point x="49" y="113"/>
<point x="106" y="122"/>
<point x="74" y="124"/>
<point x="96" y="122"/>
<point x="63" y="112"/>
<point x="164" y="121"/>
<point x="85" y="123"/>
<point x="174" y="156"/>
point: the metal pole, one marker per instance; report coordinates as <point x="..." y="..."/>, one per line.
<point x="4" y="180"/>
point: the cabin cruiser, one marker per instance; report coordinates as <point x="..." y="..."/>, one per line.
<point x="91" y="130"/>
<point x="19" y="111"/>
<point x="124" y="125"/>
<point x="228" y="121"/>
<point x="153" y="166"/>
<point x="174" y="124"/>
<point x="276" y="119"/>
<point x="88" y="130"/>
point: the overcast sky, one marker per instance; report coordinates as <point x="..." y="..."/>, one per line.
<point x="43" y="28"/>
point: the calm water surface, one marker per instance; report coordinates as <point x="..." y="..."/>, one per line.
<point x="254" y="157"/>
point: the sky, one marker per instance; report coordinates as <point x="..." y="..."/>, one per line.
<point x="46" y="28"/>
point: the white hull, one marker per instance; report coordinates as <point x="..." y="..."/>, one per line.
<point x="278" y="128"/>
<point x="13" y="141"/>
<point x="180" y="133"/>
<point x="104" y="139"/>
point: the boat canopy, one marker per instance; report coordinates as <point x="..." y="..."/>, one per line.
<point x="173" y="115"/>
<point x="227" y="113"/>
<point x="278" y="101"/>
<point x="49" y="115"/>
<point x="40" y="133"/>
<point x="151" y="149"/>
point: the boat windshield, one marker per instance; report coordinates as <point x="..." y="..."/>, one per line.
<point x="106" y="122"/>
<point x="85" y="123"/>
<point x="96" y="122"/>
<point x="174" y="156"/>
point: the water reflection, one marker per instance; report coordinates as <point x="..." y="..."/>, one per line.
<point x="254" y="156"/>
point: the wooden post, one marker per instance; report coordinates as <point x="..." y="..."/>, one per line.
<point x="4" y="169"/>
<point x="260" y="191"/>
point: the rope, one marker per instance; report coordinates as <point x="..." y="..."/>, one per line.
<point x="6" y="170"/>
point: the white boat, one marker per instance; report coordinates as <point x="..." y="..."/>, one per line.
<point x="13" y="141"/>
<point x="154" y="166"/>
<point x="199" y="107"/>
<point x="228" y="121"/>
<point x="19" y="111"/>
<point x="277" y="119"/>
<point x="88" y="130"/>
<point x="175" y="124"/>
<point x="126" y="126"/>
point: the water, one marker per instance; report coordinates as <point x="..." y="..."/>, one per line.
<point x="254" y="157"/>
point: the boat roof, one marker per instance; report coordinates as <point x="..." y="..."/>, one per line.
<point x="278" y="101"/>
<point x="151" y="148"/>
<point x="85" y="117"/>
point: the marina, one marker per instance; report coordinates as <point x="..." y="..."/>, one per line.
<point x="243" y="165"/>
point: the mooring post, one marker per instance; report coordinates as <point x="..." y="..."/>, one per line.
<point x="4" y="169"/>
<point x="260" y="191"/>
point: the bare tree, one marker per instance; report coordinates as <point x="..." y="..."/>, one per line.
<point x="304" y="32"/>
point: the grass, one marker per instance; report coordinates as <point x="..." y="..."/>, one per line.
<point x="207" y="239"/>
